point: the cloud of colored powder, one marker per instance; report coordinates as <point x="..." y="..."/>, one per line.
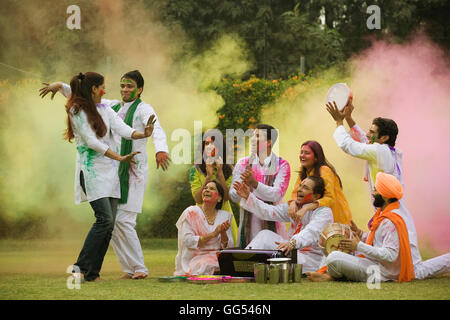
<point x="408" y="83"/>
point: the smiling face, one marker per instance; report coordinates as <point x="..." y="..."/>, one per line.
<point x="305" y="193"/>
<point x="210" y="194"/>
<point x="129" y="90"/>
<point x="307" y="157"/>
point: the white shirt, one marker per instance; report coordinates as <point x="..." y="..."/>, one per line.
<point x="380" y="158"/>
<point x="139" y="171"/>
<point x="313" y="222"/>
<point x="385" y="249"/>
<point x="100" y="172"/>
<point x="272" y="165"/>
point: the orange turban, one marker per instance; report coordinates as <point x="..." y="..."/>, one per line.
<point x="388" y="186"/>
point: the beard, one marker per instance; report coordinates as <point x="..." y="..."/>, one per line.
<point x="378" y="201"/>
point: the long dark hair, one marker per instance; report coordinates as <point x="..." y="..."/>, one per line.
<point x="321" y="160"/>
<point x="81" y="99"/>
<point x="227" y="169"/>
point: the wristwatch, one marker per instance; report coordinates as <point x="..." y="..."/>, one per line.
<point x="292" y="242"/>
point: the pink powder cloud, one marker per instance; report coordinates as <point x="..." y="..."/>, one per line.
<point x="410" y="83"/>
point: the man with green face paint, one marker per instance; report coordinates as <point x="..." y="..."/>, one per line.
<point x="133" y="178"/>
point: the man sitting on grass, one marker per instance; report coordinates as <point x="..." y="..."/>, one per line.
<point x="386" y="246"/>
<point x="305" y="228"/>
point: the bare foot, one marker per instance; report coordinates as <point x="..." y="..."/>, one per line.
<point x="139" y="275"/>
<point x="319" y="277"/>
<point x="125" y="276"/>
<point x="98" y="279"/>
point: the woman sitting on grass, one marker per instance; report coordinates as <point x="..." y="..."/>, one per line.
<point x="202" y="230"/>
<point x="212" y="167"/>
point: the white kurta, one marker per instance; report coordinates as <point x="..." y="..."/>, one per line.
<point x="139" y="171"/>
<point x="275" y="193"/>
<point x="382" y="255"/>
<point x="380" y="158"/>
<point x="100" y="172"/>
<point x="313" y="222"/>
<point x="190" y="258"/>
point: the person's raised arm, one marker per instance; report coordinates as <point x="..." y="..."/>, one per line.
<point x="275" y="192"/>
<point x="53" y="87"/>
<point x="262" y="210"/>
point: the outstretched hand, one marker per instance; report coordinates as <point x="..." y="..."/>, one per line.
<point x="150" y="126"/>
<point x="129" y="157"/>
<point x="162" y="160"/>
<point x="49" y="87"/>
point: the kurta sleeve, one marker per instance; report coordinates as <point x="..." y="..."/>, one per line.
<point x="329" y="196"/>
<point x="389" y="249"/>
<point x="190" y="239"/>
<point x="352" y="147"/>
<point x="158" y="135"/>
<point x="275" y="192"/>
<point x="266" y="211"/>
<point x="81" y="125"/>
<point x="118" y="125"/>
<point x="358" y="134"/>
<point x="65" y="90"/>
<point x="309" y="235"/>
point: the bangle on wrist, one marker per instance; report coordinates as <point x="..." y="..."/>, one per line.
<point x="292" y="242"/>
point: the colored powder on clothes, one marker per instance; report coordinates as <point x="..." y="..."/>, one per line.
<point x="89" y="155"/>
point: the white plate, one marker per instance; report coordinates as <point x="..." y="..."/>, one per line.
<point x="340" y="93"/>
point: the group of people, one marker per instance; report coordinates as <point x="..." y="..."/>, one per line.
<point x="258" y="183"/>
<point x="112" y="173"/>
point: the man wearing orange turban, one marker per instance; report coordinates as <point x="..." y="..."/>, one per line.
<point x="386" y="247"/>
<point x="377" y="147"/>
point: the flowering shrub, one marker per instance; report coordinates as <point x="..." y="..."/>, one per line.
<point x="245" y="100"/>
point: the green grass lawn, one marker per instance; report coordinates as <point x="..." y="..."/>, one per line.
<point x="37" y="270"/>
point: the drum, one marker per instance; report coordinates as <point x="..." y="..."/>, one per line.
<point x="332" y="234"/>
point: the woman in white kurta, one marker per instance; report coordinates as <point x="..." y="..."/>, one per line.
<point x="124" y="239"/>
<point x="202" y="231"/>
<point x="96" y="180"/>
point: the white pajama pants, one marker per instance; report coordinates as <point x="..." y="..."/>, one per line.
<point x="433" y="267"/>
<point x="125" y="243"/>
<point x="344" y="265"/>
